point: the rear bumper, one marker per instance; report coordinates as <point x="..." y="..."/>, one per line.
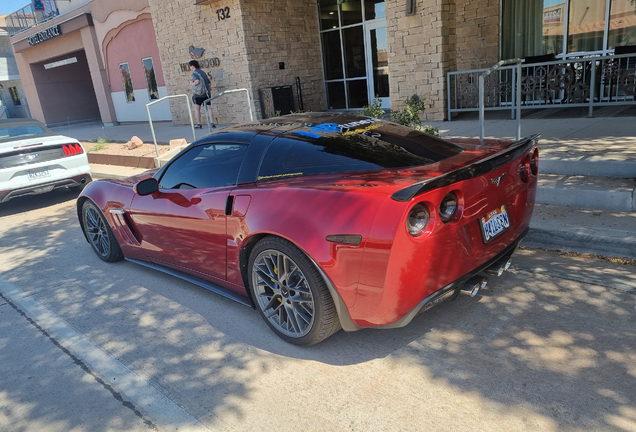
<point x="451" y="290"/>
<point x="82" y="179"/>
<point x="445" y="293"/>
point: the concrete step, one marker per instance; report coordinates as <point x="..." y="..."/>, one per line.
<point x="593" y="166"/>
<point x="601" y="232"/>
<point x="605" y="193"/>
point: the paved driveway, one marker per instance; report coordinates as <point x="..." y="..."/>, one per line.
<point x="91" y="346"/>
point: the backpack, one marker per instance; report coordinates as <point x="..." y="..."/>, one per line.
<point x="200" y="89"/>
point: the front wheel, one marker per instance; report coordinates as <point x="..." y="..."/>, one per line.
<point x="290" y="294"/>
<point x="99" y="234"/>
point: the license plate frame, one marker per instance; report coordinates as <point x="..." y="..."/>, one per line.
<point x="39" y="173"/>
<point x="494" y="223"/>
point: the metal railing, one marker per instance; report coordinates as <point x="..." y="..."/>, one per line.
<point x="591" y="82"/>
<point x="27" y="17"/>
<point x="516" y="101"/>
<point x="249" y="103"/>
<point x="152" y="129"/>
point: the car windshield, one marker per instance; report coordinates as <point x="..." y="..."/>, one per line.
<point x="394" y="147"/>
<point x="21" y="131"/>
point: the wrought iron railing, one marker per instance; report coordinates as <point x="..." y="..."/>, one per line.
<point x="587" y="81"/>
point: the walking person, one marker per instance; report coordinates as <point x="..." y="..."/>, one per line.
<point x="200" y="92"/>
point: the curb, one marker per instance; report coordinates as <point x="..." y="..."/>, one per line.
<point x="582" y="240"/>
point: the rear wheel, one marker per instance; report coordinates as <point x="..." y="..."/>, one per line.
<point x="290" y="293"/>
<point x="99" y="234"/>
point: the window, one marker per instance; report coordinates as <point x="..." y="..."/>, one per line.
<point x="287" y="157"/>
<point x="128" y="85"/>
<point x="205" y="166"/>
<point x="151" y="79"/>
<point x="15" y="96"/>
<point x="562" y="27"/>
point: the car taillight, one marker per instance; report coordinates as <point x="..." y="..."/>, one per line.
<point x="534" y="162"/>
<point x="72" y="149"/>
<point x="448" y="207"/>
<point x="417" y="220"/>
<point x="524" y="169"/>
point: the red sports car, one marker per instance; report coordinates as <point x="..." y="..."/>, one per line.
<point x="323" y="221"/>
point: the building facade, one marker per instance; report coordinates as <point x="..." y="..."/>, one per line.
<point x="13" y="102"/>
<point x="89" y="60"/>
<point x="317" y="54"/>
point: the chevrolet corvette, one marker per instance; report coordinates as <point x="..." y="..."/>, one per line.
<point x="323" y="221"/>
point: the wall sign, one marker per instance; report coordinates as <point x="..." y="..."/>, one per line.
<point x="206" y="63"/>
<point x="45" y="35"/>
<point x="223" y="13"/>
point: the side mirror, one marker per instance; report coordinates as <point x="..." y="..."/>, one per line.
<point x="147" y="186"/>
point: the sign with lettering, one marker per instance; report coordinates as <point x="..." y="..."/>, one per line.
<point x="206" y="63"/>
<point x="37" y="5"/>
<point x="45" y="35"/>
<point x="552" y="16"/>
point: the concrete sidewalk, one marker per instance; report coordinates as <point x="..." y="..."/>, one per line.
<point x="587" y="191"/>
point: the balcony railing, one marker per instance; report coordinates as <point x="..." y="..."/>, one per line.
<point x="28" y="17"/>
<point x="587" y="82"/>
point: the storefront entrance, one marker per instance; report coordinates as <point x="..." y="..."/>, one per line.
<point x="354" y="52"/>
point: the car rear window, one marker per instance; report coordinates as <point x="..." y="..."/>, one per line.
<point x="287" y="157"/>
<point x="20" y="132"/>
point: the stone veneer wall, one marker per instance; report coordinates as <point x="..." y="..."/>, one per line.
<point x="477" y="33"/>
<point x="290" y="30"/>
<point x="422" y="48"/>
<point x="180" y="24"/>
<point x="289" y="33"/>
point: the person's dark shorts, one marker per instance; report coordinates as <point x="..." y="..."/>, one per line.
<point x="198" y="100"/>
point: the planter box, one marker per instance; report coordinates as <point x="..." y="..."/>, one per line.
<point x="121" y="160"/>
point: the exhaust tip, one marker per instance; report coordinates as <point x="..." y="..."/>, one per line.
<point x="499" y="267"/>
<point x="474" y="285"/>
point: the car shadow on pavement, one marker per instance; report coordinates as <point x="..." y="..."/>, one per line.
<point x="33" y="202"/>
<point x="547" y="352"/>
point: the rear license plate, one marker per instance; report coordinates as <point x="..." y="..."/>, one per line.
<point x="38" y="174"/>
<point x="494" y="223"/>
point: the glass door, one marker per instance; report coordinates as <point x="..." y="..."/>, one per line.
<point x="377" y="62"/>
<point x="354" y="52"/>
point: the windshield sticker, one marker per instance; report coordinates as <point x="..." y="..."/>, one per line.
<point x="362" y="131"/>
<point x="278" y="176"/>
<point x="334" y="128"/>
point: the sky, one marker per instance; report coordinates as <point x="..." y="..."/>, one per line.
<point x="10" y="6"/>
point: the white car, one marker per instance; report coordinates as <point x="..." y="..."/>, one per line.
<point x="34" y="160"/>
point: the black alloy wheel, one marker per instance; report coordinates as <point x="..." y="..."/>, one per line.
<point x="290" y="294"/>
<point x="99" y="234"/>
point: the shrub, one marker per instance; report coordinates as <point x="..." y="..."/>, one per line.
<point x="373" y="109"/>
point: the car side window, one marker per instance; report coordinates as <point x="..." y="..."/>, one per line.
<point x="205" y="166"/>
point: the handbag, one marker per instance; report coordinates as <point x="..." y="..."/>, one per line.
<point x="200" y="89"/>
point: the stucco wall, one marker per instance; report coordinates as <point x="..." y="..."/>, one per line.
<point x="120" y="50"/>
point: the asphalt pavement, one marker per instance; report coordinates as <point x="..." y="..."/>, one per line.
<point x="587" y="189"/>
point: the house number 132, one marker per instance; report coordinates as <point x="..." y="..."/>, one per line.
<point x="223" y="13"/>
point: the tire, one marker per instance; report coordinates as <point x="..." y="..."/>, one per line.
<point x="302" y="311"/>
<point x="99" y="234"/>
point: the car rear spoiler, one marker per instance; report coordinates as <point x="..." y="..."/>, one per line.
<point x="473" y="170"/>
